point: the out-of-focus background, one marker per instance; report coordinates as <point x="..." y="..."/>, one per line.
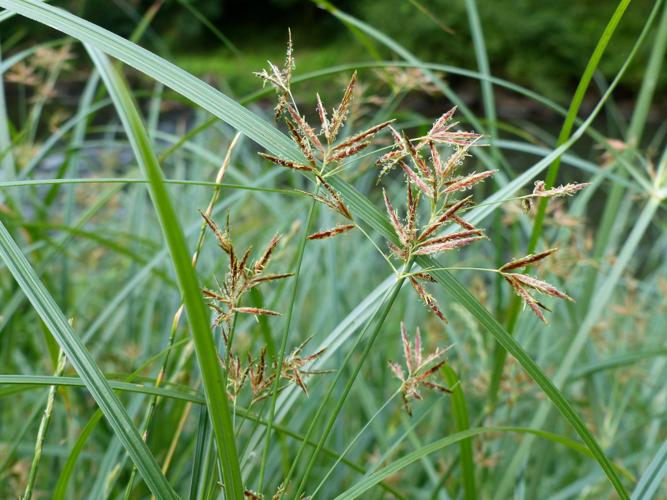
<point x="542" y="45"/>
<point x="74" y="201"/>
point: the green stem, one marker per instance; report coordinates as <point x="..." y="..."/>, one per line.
<point x="283" y="344"/>
<point x="462" y="423"/>
<point x="381" y="315"/>
<point x="500" y="353"/>
<point x="41" y="433"/>
<point x="341" y="457"/>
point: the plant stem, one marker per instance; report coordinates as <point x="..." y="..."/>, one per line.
<point x="379" y="318"/>
<point x="500" y="354"/>
<point x="179" y="312"/>
<point x="283" y="343"/>
<point x="43" y="427"/>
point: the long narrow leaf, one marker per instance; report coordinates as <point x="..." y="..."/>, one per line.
<point x="278" y="144"/>
<point x="85" y="366"/>
<point x="198" y="317"/>
<point x="369" y="481"/>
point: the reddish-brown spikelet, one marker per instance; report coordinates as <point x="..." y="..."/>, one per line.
<point x="424" y="375"/>
<point x="338" y="201"/>
<point x="322" y="112"/>
<point x="305" y="128"/>
<point x="286" y="163"/>
<point x="527" y="298"/>
<point x="395" y="222"/>
<point x="416" y="158"/>
<point x="468" y="181"/>
<point x="540" y="190"/>
<point x="450" y="213"/>
<point x="440" y="123"/>
<point x="399" y="252"/>
<point x="447" y="245"/>
<point x="398" y="139"/>
<point x="455" y="160"/>
<point x="331" y="232"/>
<point x="453" y="236"/>
<point x="290" y="64"/>
<point x="410" y="227"/>
<point x="325" y="201"/>
<point x="301" y="142"/>
<point x="435" y="158"/>
<point x="418" y="347"/>
<point x="456" y="138"/>
<point x="407" y="348"/>
<point x="269" y="277"/>
<point x="424" y="277"/>
<point x="266" y="256"/>
<point x="243" y="262"/>
<point x="223" y="240"/>
<point x="340" y="113"/>
<point x="438" y="387"/>
<point x="213" y="295"/>
<point x="427" y="299"/>
<point x="348" y="151"/>
<point x="388" y="160"/>
<point x="256" y="311"/>
<point x="462" y="222"/>
<point x="540" y="286"/>
<point x="527" y="260"/>
<point x="398" y="371"/>
<point x="416" y="180"/>
<point x="361" y="136"/>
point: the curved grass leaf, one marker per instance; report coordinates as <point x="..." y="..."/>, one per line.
<point x="653" y="476"/>
<point x="460" y="411"/>
<point x="83" y="363"/>
<point x="278" y="144"/>
<point x="369" y="481"/>
<point x="198" y="317"/>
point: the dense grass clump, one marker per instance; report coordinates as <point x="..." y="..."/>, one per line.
<point x="208" y="298"/>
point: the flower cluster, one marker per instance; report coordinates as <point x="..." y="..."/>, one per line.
<point x="241" y="277"/>
<point x="244" y="275"/>
<point x="418" y="369"/>
<point x="437" y="181"/>
<point x="522" y="283"/>
<point x="321" y="150"/>
<point x="434" y="220"/>
<point x="255" y="373"/>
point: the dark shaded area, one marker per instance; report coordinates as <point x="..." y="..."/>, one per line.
<point x="544" y="45"/>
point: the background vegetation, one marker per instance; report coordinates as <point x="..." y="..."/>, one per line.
<point x="106" y="163"/>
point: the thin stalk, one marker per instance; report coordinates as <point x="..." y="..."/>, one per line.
<point x="462" y="423"/>
<point x="634" y="134"/>
<point x="341" y="398"/>
<point x="500" y="354"/>
<point x="390" y="293"/>
<point x="198" y="315"/>
<point x="283" y="343"/>
<point x="179" y="312"/>
<point x="354" y="440"/>
<point x="601" y="299"/>
<point x="43" y="427"/>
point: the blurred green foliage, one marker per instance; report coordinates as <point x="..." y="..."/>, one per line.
<point x="543" y="45"/>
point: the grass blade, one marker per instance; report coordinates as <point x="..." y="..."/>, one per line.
<point x="369" y="481"/>
<point x="460" y="411"/>
<point x="653" y="476"/>
<point x="85" y="366"/>
<point x="278" y="144"/>
<point x="198" y="317"/>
